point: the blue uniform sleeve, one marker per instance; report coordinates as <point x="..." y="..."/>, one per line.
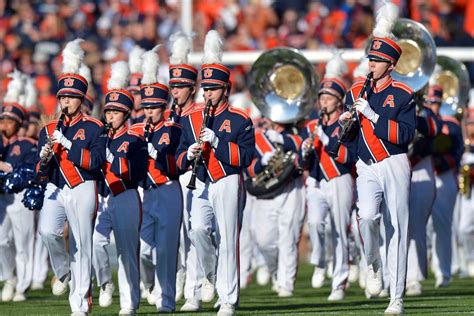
<point x="241" y="152"/>
<point x="185" y="141"/>
<point x="93" y="157"/>
<point x="399" y="130"/>
<point x="428" y="124"/>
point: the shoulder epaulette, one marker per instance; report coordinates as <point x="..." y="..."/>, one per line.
<point x="93" y="120"/>
<point x="168" y="123"/>
<point x="401" y="85"/>
<point x="451" y="119"/>
<point x="239" y="111"/>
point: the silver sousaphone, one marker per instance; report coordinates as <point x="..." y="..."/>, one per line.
<point x="283" y="86"/>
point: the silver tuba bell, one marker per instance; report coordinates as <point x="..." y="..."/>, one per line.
<point x="283" y="86"/>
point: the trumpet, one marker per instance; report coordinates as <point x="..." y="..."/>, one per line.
<point x="311" y="135"/>
<point x="348" y="127"/>
<point x="192" y="181"/>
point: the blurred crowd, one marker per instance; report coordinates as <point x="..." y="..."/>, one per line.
<point x="32" y="33"/>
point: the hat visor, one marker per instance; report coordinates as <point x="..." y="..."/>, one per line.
<point x="12" y="116"/>
<point x="113" y="107"/>
<point x="70" y="94"/>
<point x="181" y="84"/>
<point x="378" y="58"/>
<point x="153" y="105"/>
<point x="330" y="92"/>
<point x="209" y="85"/>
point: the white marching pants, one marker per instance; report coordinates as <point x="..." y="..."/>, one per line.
<point x="220" y="201"/>
<point x="278" y="229"/>
<point x="442" y="217"/>
<point x="422" y="196"/>
<point x="162" y="212"/>
<point x="188" y="256"/>
<point x="78" y="206"/>
<point x="122" y="215"/>
<point x="333" y="198"/>
<point x="17" y="228"/>
<point x="387" y="181"/>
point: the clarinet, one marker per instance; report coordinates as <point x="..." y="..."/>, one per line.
<point x="172" y="110"/>
<point x="348" y="126"/>
<point x="192" y="182"/>
<point x="146" y="130"/>
<point x="311" y="135"/>
<point x="44" y="162"/>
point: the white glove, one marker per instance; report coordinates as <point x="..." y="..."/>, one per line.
<point x="152" y="152"/>
<point x="266" y="158"/>
<point x="468" y="158"/>
<point x="344" y="117"/>
<point x="322" y="136"/>
<point x="363" y="107"/>
<point x="44" y="151"/>
<point x="191" y="154"/>
<point x="208" y="135"/>
<point x="61" y="139"/>
<point x="109" y="156"/>
<point x="306" y="147"/>
<point x="274" y="137"/>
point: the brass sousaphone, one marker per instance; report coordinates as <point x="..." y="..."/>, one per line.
<point x="283" y="86"/>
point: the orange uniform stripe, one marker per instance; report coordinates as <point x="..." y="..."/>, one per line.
<point x="157" y="176"/>
<point x="374" y="144"/>
<point x="234" y="154"/>
<point x="262" y="144"/>
<point x="327" y="164"/>
<point x="342" y="154"/>
<point x="115" y="183"/>
<point x="124" y="169"/>
<point x="181" y="159"/>
<point x="68" y="170"/>
<point x="393" y="132"/>
<point x="85" y="159"/>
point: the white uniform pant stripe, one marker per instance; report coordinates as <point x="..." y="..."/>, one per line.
<point x="388" y="181"/>
<point x="77" y="206"/>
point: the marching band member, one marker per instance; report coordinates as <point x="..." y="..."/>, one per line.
<point x="71" y="193"/>
<point x="17" y="222"/>
<point x="121" y="210"/>
<point x="162" y="199"/>
<point x="135" y="58"/>
<point x="283" y="213"/>
<point x="447" y="159"/>
<point x="183" y="89"/>
<point x="386" y="125"/>
<point x="330" y="184"/>
<point x="428" y="126"/>
<point x="225" y="146"/>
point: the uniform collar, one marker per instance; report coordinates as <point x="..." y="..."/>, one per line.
<point x="11" y="140"/>
<point x="221" y="108"/>
<point x="158" y="125"/>
<point x="76" y="119"/>
<point x="187" y="109"/>
<point x="383" y="86"/>
<point x="122" y="130"/>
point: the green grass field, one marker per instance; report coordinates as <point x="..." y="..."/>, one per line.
<point x="458" y="298"/>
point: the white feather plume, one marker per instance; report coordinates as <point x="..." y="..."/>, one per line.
<point x="336" y="66"/>
<point x="73" y="55"/>
<point x="118" y="75"/>
<point x="181" y="46"/>
<point x="362" y="69"/>
<point x="386" y="17"/>
<point x="31" y="93"/>
<point x="213" y="48"/>
<point x="151" y="66"/>
<point x="85" y="71"/>
<point x="135" y="59"/>
<point x="15" y="87"/>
